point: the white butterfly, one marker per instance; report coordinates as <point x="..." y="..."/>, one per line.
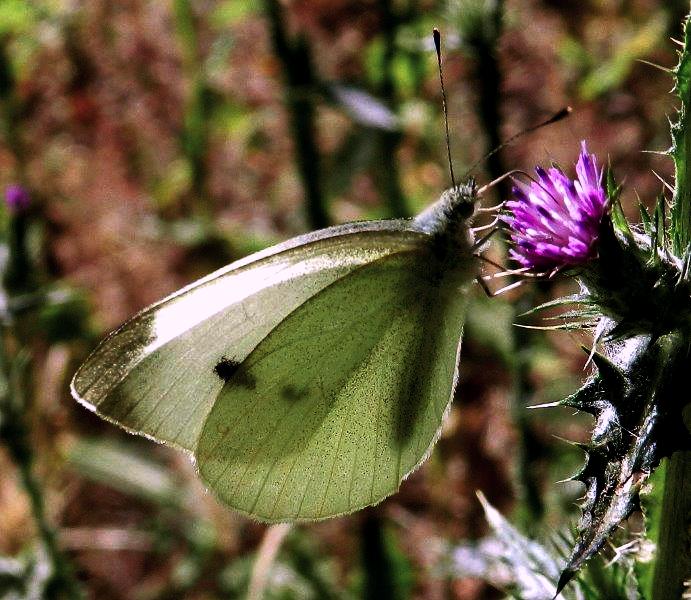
<point x="307" y="380"/>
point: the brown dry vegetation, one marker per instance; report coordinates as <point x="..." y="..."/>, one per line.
<point x="103" y="88"/>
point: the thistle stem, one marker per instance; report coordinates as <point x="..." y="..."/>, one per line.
<point x="681" y="206"/>
<point x="673" y="561"/>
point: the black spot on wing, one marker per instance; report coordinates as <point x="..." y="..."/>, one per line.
<point x="226" y="368"/>
<point x="229" y="369"/>
<point x="292" y="393"/>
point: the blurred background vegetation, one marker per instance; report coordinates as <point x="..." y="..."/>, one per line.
<point x="158" y="140"/>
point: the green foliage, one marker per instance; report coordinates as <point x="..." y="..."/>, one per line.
<point x="490" y="324"/>
<point x="16" y="16"/>
<point x="387" y="573"/>
<point x="612" y="72"/>
<point x="399" y="62"/>
<point x="673" y="562"/>
<point x="195" y="134"/>
<point x="300" y="571"/>
<point x="26" y="577"/>
<point x="612" y="580"/>
<point x="600" y="75"/>
<point x="479" y="23"/>
<point x="122" y="467"/>
<point x="229" y="12"/>
<point x="29" y="305"/>
<point x="64" y="315"/>
<point x="47" y="574"/>
<point x="673" y="565"/>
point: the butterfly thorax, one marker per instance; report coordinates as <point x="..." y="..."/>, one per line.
<point x="454" y="209"/>
<point x="447" y="221"/>
<point x="449" y="218"/>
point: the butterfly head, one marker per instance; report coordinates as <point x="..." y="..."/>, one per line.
<point x="459" y="202"/>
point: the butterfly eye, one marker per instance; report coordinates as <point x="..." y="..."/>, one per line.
<point x="461" y="202"/>
<point x="466" y="207"/>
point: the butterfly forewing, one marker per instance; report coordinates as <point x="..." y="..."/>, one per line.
<point x="343" y="398"/>
<point x="156" y="374"/>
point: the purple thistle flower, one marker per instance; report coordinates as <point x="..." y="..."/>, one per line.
<point x="17" y="198"/>
<point x="554" y="220"/>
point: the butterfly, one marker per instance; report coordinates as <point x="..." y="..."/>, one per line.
<point x="307" y="380"/>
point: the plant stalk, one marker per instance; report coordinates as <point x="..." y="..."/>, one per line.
<point x="301" y="84"/>
<point x="15" y="434"/>
<point x="390" y="140"/>
<point x="673" y="561"/>
<point x="195" y="134"/>
<point x="62" y="582"/>
<point x="19" y="278"/>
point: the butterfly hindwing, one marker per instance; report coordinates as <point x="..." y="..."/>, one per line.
<point x="343" y="398"/>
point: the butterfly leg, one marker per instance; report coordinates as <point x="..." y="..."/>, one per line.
<point x="492" y="225"/>
<point x="490" y="294"/>
<point x="484" y="286"/>
<point x="509" y="287"/>
<point x="483" y="240"/>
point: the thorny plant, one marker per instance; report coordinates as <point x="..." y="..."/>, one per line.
<point x="635" y="294"/>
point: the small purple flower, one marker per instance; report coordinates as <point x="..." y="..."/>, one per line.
<point x="554" y="220"/>
<point x="17" y="198"/>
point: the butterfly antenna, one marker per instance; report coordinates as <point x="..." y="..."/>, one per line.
<point x="437" y="46"/>
<point x="557" y="116"/>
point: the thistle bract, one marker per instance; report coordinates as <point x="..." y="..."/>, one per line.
<point x="555" y="221"/>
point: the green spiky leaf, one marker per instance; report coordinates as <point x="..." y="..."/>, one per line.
<point x="637" y="408"/>
<point x="646" y="221"/>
